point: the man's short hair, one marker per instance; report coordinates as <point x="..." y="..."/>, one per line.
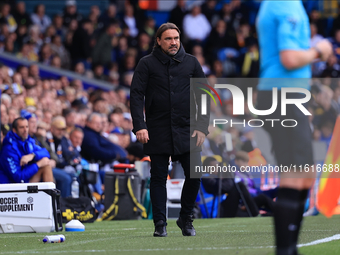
<point x="162" y="29"/>
<point x="15" y="123"/>
<point x="67" y="111"/>
<point x="90" y="117"/>
<point x="77" y="129"/>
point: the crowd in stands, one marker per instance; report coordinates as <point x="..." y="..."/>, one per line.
<point x="95" y="125"/>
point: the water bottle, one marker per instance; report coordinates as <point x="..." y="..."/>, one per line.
<point x="75" y="188"/>
<point x="54" y="239"/>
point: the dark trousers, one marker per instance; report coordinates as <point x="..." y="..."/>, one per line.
<point x="230" y="205"/>
<point x="159" y="173"/>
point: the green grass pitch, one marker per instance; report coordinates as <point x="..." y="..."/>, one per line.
<point x="214" y="236"/>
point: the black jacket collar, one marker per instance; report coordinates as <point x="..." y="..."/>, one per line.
<point x="164" y="58"/>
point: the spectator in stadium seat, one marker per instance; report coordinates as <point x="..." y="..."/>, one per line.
<point x="220" y="37"/>
<point x="59" y="49"/>
<point x="100" y="105"/>
<point x="196" y="27"/>
<point x="208" y="9"/>
<point x="106" y="126"/>
<point x="37" y="136"/>
<point x="4" y="31"/>
<point x="315" y="37"/>
<point x="326" y="109"/>
<point x="315" y="17"/>
<point x="5" y="125"/>
<point x="21" y="16"/>
<point x="109" y="16"/>
<point x="79" y="68"/>
<point x="34" y="37"/>
<point x="34" y="71"/>
<point x="45" y="54"/>
<point x="98" y="72"/>
<point x="70" y="115"/>
<point x="70" y="13"/>
<point x="9" y="45"/>
<point x="40" y="139"/>
<point x="60" y="146"/>
<point x="217" y="69"/>
<point x="72" y="153"/>
<point x="21" y="33"/>
<point x="7" y="18"/>
<point x="120" y="50"/>
<point x="331" y="68"/>
<point x="128" y="64"/>
<point x="56" y="62"/>
<point x="130" y="21"/>
<point x="49" y="33"/>
<point x="26" y="53"/>
<point x="13" y="113"/>
<point x="6" y="100"/>
<point x="226" y="15"/>
<point x="102" y="50"/>
<point x="21" y="160"/>
<point x="58" y="25"/>
<point x="40" y="18"/>
<point x="144" y="47"/>
<point x="81" y="49"/>
<point x="250" y="60"/>
<point x="177" y="14"/>
<point x="97" y="148"/>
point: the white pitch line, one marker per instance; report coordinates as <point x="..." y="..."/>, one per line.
<point x="324" y="240"/>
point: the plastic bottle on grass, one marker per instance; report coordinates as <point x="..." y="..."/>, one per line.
<point x="54" y="239"/>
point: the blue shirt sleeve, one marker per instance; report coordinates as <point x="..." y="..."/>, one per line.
<point x="17" y="173"/>
<point x="40" y="153"/>
<point x="288" y="32"/>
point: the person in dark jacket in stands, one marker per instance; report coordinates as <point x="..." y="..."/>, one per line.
<point x="21" y="160"/>
<point x="71" y="13"/>
<point x="178" y="13"/>
<point x="101" y="54"/>
<point x="59" y="144"/>
<point x="95" y="147"/>
<point x="81" y="48"/>
<point x="171" y="127"/>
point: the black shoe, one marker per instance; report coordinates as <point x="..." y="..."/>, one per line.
<point x="186" y="226"/>
<point x="160" y="229"/>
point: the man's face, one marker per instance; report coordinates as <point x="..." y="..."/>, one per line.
<point x="58" y="132"/>
<point x="95" y="124"/>
<point x="70" y="118"/>
<point x="169" y="42"/>
<point x="76" y="138"/>
<point x="22" y="129"/>
<point x="48" y="117"/>
<point x="21" y="7"/>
